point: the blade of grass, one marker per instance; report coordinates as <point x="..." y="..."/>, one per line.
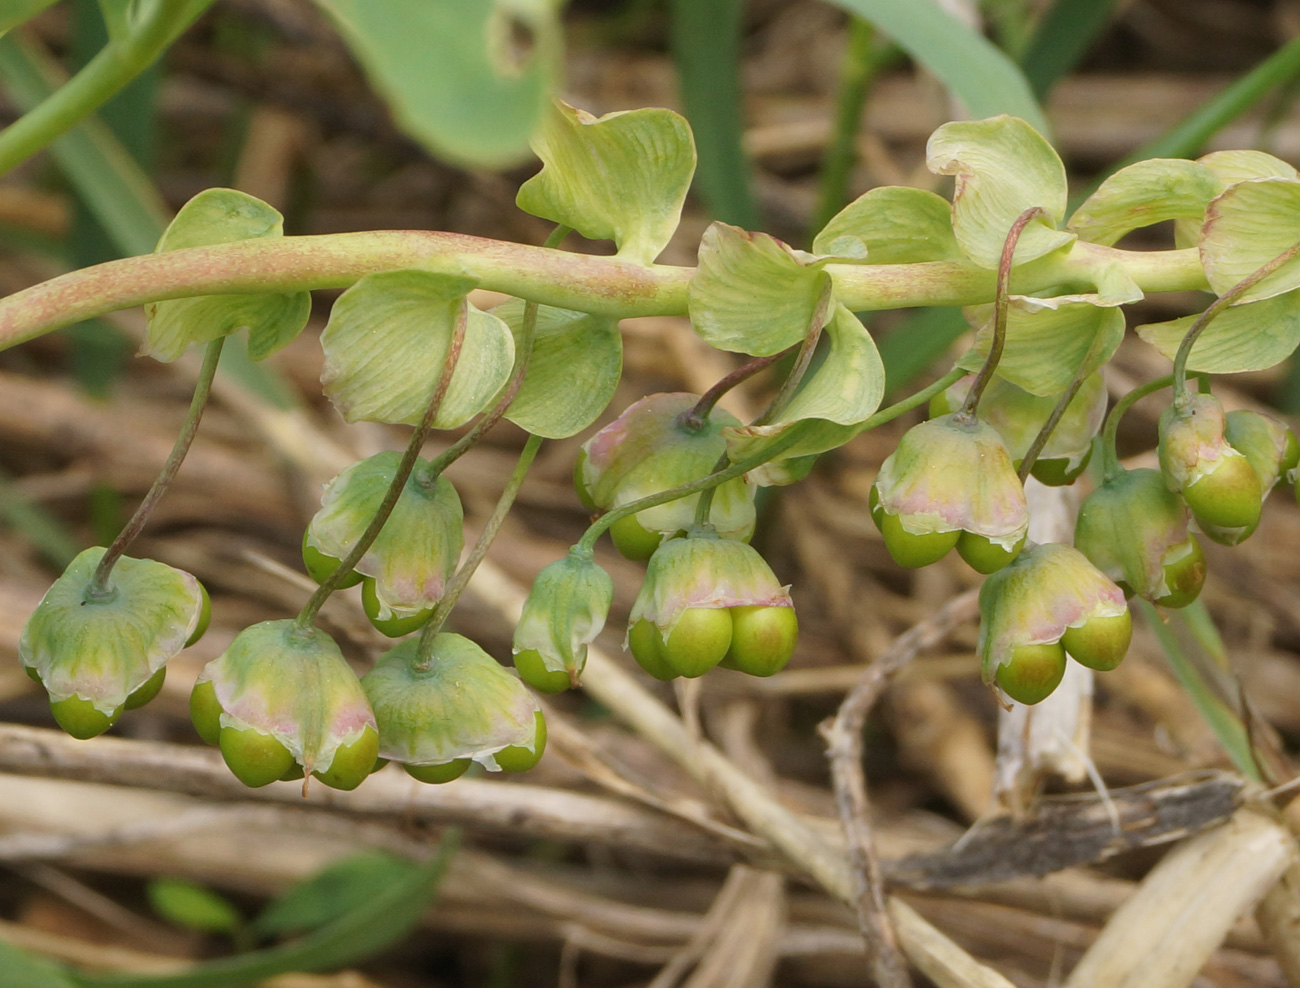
<point x="920" y="339"/>
<point x="706" y="49"/>
<point x="969" y="65"/>
<point x="1066" y="32"/>
<point x="33" y="524"/>
<point x="16" y="12"/>
<point x="1199" y="674"/>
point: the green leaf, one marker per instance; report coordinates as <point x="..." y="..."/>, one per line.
<point x="621" y="177"/>
<point x="17" y="12"/>
<point x="23" y="970"/>
<point x="386" y="342"/>
<point x="192" y="906"/>
<point x="1047" y="345"/>
<point x="470" y="81"/>
<point x="1063" y="36"/>
<point x="751" y="294"/>
<point x="1249" y="337"/>
<point x="891" y="225"/>
<point x="1143" y="194"/>
<point x="568" y="348"/>
<point x="1245" y="228"/>
<point x="841" y="391"/>
<point x="1003" y="167"/>
<point x="333" y="892"/>
<point x="220" y="216"/>
<point x="972" y="68"/>
<point x="382" y="919"/>
<point x="1231" y="167"/>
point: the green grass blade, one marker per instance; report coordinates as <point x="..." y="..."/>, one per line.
<point x="706" y="49"/>
<point x="920" y="339"/>
<point x="1063" y="37"/>
<point x="16" y="12"/>
<point x="972" y="68"/>
<point x="37" y="527"/>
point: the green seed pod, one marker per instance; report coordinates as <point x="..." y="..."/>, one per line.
<point x="1217" y="482"/>
<point x="321" y="567"/>
<point x="762" y="639"/>
<point x="651" y="448"/>
<point x="1027" y="609"/>
<point x="96" y="651"/>
<point x="439" y="774"/>
<point x="464" y="706"/>
<point x="1100" y="643"/>
<point x="280" y="688"/>
<point x="416" y="552"/>
<point x="682" y="623"/>
<point x="1268" y="444"/>
<point x="520" y="758"/>
<point x="950" y="475"/>
<point x="564" y="613"/>
<point x="1184" y="574"/>
<point x="151" y="688"/>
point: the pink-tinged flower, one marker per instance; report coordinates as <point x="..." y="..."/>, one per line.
<point x="1217" y="481"/>
<point x="280" y="700"/>
<point x="1134" y="529"/>
<point x="650" y="448"/>
<point x="949" y="483"/>
<point x="564" y="613"/>
<point x="1048" y="602"/>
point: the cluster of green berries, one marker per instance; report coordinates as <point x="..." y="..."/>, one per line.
<point x="952" y="483"/>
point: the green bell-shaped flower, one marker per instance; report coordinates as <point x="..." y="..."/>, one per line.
<point x="651" y="448"/>
<point x="1018" y="416"/>
<point x="408" y="565"/>
<point x="562" y="616"/>
<point x="98" y="653"/>
<point x="281" y="702"/>
<point x="1048" y="602"/>
<point x="1268" y="444"/>
<point x="707" y="601"/>
<point x="1218" y="483"/>
<point x="1134" y="529"/>
<point x="951" y="483"/>
<point x="463" y="708"/>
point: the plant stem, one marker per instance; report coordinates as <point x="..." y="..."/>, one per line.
<point x="1218" y="305"/>
<point x="119" y="62"/>
<point x="99" y="585"/>
<point x="458" y="583"/>
<point x="1045" y="433"/>
<point x="1000" y="305"/>
<point x="699" y="414"/>
<point x="1110" y="460"/>
<point x="821" y="316"/>
<point x="394" y="493"/>
<point x="858" y="69"/>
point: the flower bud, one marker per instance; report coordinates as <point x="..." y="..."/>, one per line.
<point x="463" y="708"/>
<point x="564" y="613"/>
<point x="1048" y="601"/>
<point x="706" y="600"/>
<point x="1217" y="482"/>
<point x="1268" y="444"/>
<point x="409" y="564"/>
<point x="281" y="699"/>
<point x="1134" y="529"/>
<point x="951" y="482"/>
<point x="99" y="653"/>
<point x="1018" y="416"/>
<point x="651" y="448"/>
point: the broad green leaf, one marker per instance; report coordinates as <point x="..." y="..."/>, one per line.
<point x="386" y="342"/>
<point x="192" y="906"/>
<point x="844" y="388"/>
<point x="1003" y="167"/>
<point x="574" y="369"/>
<point x="220" y="216"/>
<point x="972" y="68"/>
<point x="751" y="294"/>
<point x="469" y="81"/>
<point x="333" y="892"/>
<point x="17" y="12"/>
<point x="19" y="969"/>
<point x="620" y="177"/>
<point x="1231" y="167"/>
<point x="1046" y="346"/>
<point x="891" y="225"/>
<point x="1248" y="337"/>
<point x="1245" y="228"/>
<point x="1143" y="194"/>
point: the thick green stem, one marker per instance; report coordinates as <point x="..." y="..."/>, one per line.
<point x="600" y="285"/>
<point x="394" y="493"/>
<point x="1110" y="459"/>
<point x="458" y="583"/>
<point x="118" y="63"/>
<point x="189" y="429"/>
<point x="1000" y="303"/>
